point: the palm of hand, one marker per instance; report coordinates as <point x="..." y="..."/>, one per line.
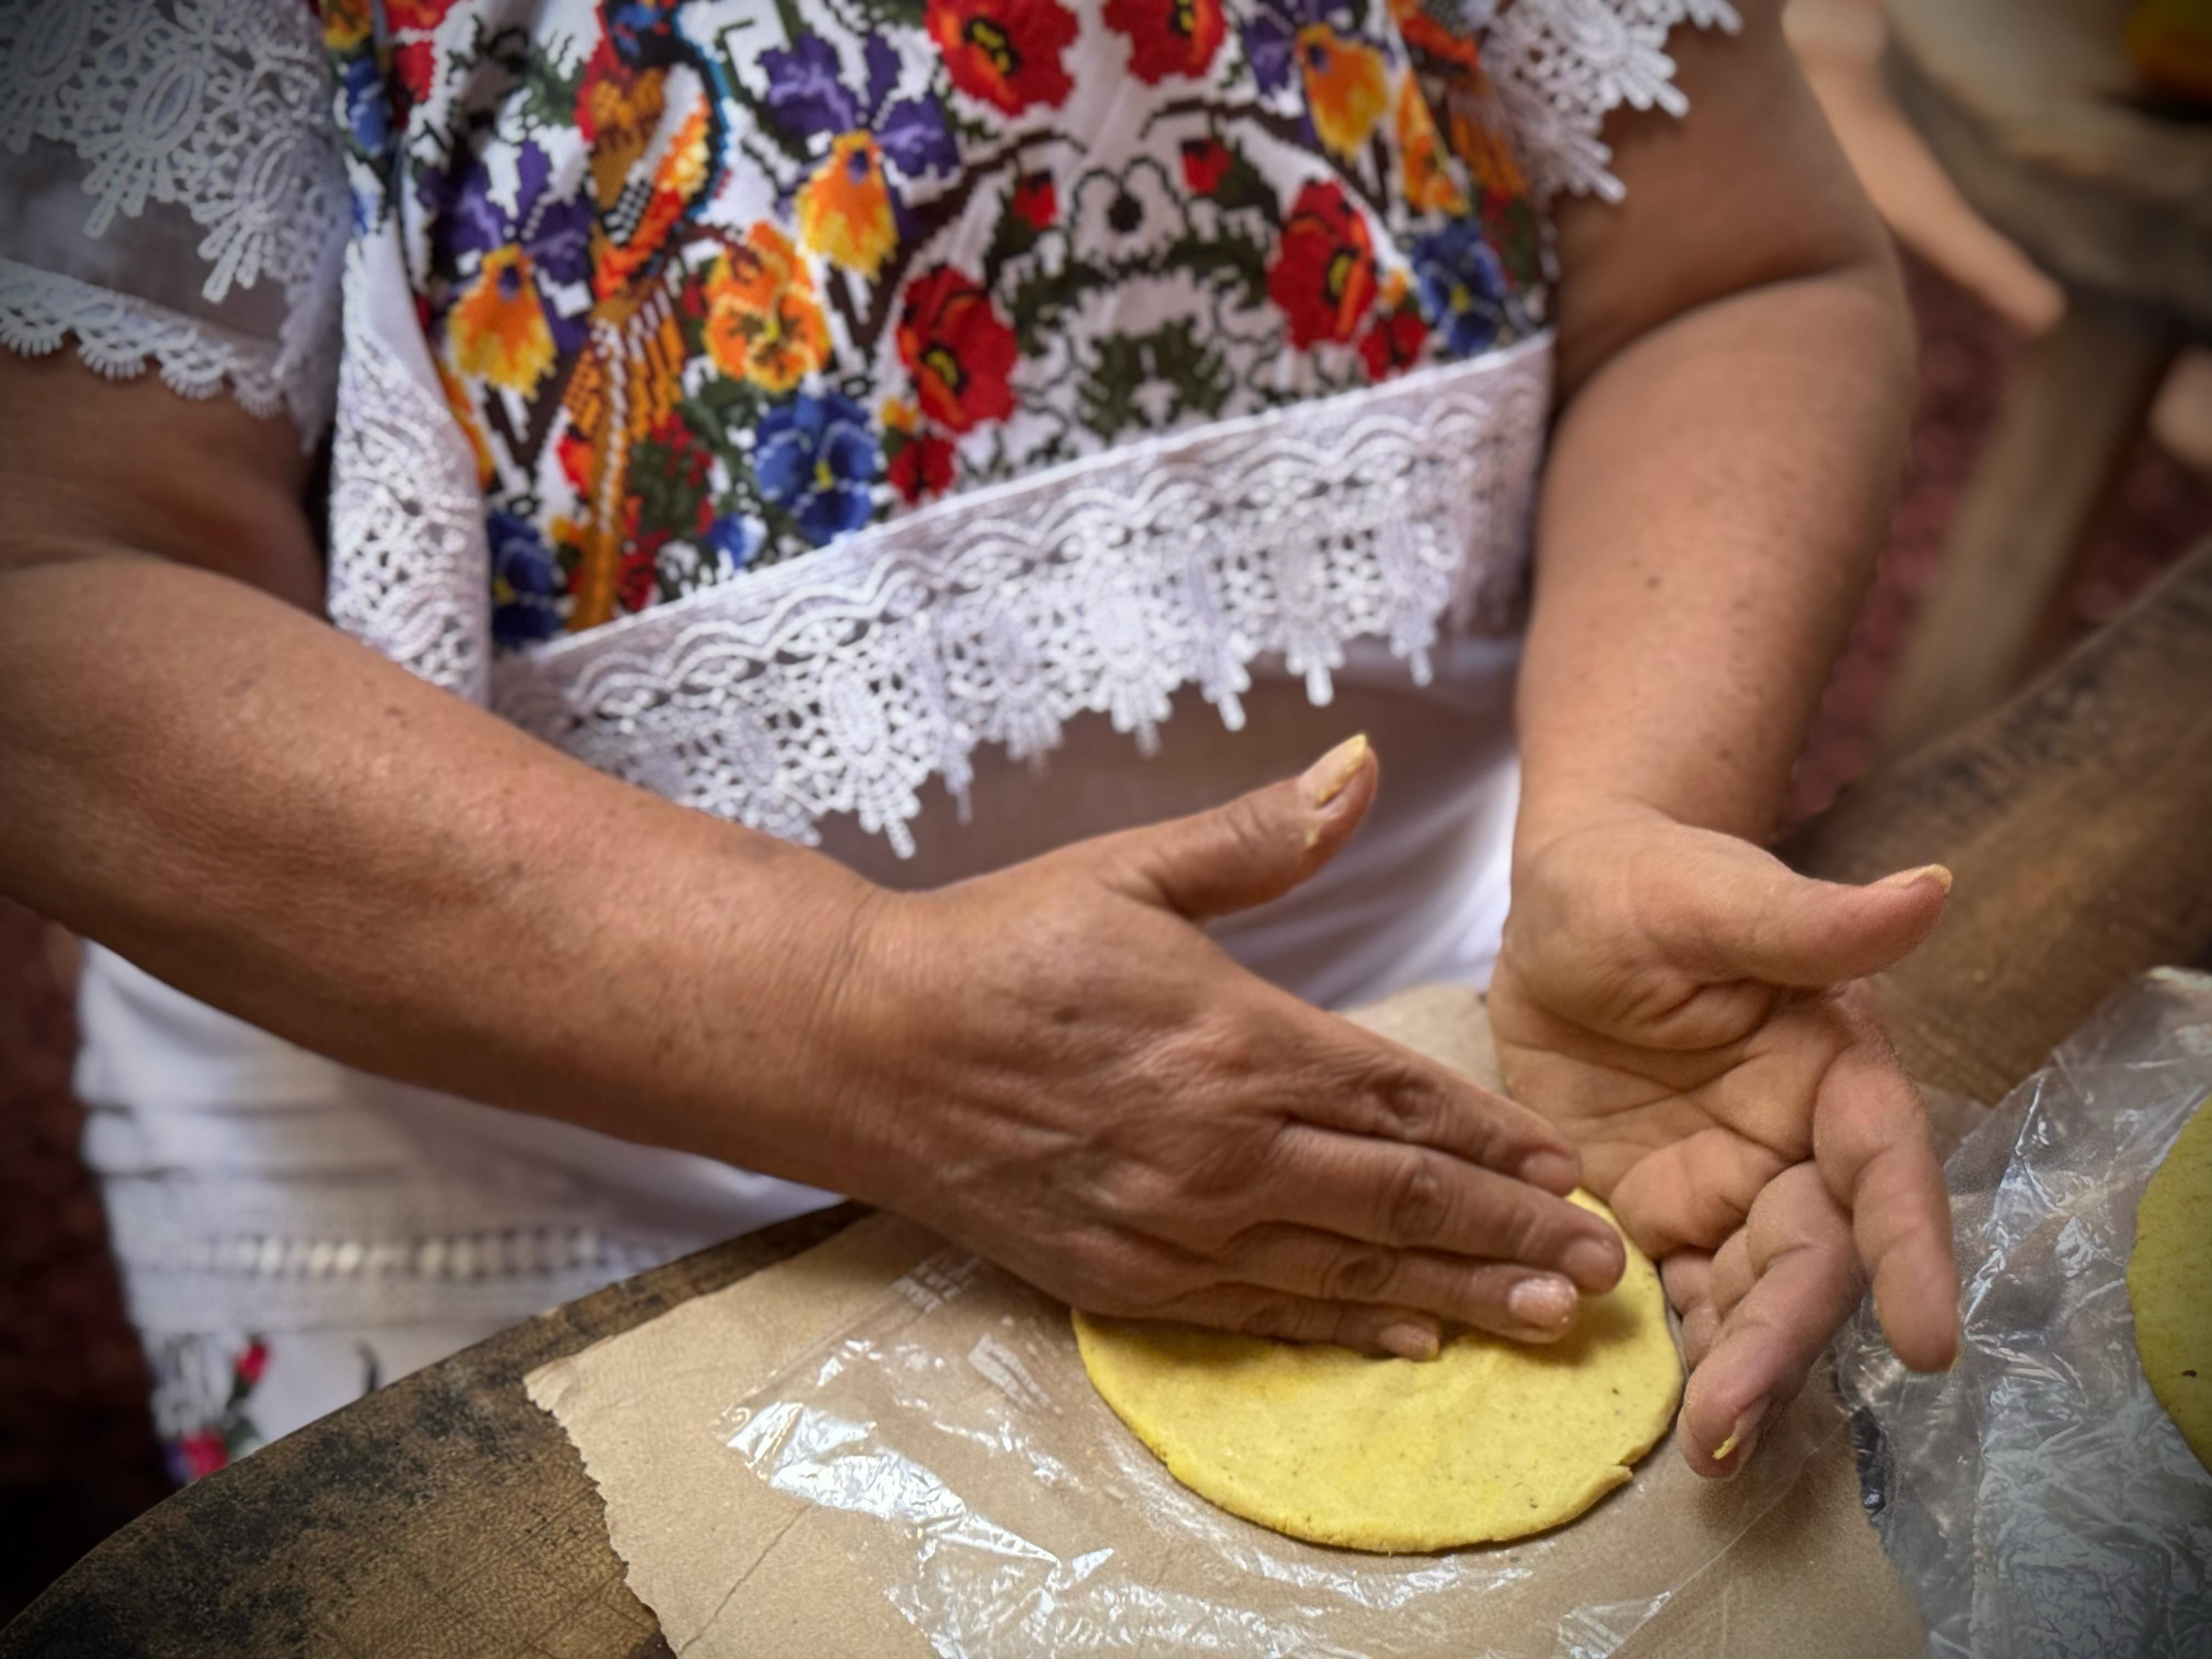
<point x="1756" y="1140"/>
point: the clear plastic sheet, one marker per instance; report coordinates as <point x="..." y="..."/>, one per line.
<point x="977" y="1480"/>
<point x="2037" y="1496"/>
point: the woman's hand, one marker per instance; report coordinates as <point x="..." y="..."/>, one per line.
<point x="1680" y="1003"/>
<point x="1058" y="1068"/>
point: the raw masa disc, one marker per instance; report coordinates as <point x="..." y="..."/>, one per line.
<point x="2170" y="1282"/>
<point x="1490" y="1440"/>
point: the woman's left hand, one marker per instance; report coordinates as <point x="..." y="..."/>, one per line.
<point x="1682" y="1005"/>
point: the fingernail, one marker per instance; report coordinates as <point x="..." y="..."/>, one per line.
<point x="1741" y="1438"/>
<point x="1409" y="1340"/>
<point x="1592" y="1264"/>
<point x="1935" y="872"/>
<point x="1544" y="1301"/>
<point x="1325" y="778"/>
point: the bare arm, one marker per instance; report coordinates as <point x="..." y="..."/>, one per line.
<point x="1735" y="359"/>
<point x="1053" y="1064"/>
<point x="1736" y="367"/>
<point x="229" y="792"/>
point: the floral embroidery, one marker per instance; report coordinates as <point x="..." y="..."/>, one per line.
<point x="816" y="458"/>
<point x="710" y="287"/>
<point x="196" y="1453"/>
<point x="1324" y="274"/>
<point x="1006" y="53"/>
<point x="957" y="349"/>
<point x="1169" y="37"/>
<point x="763" y="323"/>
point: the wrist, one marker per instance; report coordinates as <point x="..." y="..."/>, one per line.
<point x="1548" y="817"/>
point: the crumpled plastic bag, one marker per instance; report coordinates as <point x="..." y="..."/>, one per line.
<point x="2037" y="1496"/>
<point x="977" y="1480"/>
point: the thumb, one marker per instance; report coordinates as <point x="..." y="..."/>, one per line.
<point x="1257" y="846"/>
<point x="1764" y="922"/>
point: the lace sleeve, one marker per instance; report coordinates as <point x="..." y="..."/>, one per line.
<point x="171" y="193"/>
<point x="1561" y="66"/>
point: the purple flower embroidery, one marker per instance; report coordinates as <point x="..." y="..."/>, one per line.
<point x="1271" y="36"/>
<point x="556" y="233"/>
<point x="807" y="96"/>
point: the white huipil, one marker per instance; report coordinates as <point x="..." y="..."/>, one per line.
<point x="355" y="1228"/>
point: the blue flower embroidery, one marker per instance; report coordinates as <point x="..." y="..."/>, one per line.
<point x="1462" y="287"/>
<point x="526" y="584"/>
<point x="733" y="540"/>
<point x="816" y="458"/>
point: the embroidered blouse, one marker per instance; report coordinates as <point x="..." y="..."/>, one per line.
<point x="815" y="410"/>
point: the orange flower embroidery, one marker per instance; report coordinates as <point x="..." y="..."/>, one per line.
<point x="497" y="328"/>
<point x="345" y="24"/>
<point x="845" y="209"/>
<point x="1347" y="88"/>
<point x="763" y="323"/>
<point x="1429" y="185"/>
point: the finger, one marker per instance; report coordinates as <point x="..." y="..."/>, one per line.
<point x="1693" y="1192"/>
<point x="1754" y="917"/>
<point x="1506" y="1301"/>
<point x="1372" y="1086"/>
<point x="1365" y="1328"/>
<point x="1870" y="1137"/>
<point x="1807" y="1283"/>
<point x="1255" y="847"/>
<point x="1687" y="1276"/>
<point x="1733" y="1272"/>
<point x="1414" y="1198"/>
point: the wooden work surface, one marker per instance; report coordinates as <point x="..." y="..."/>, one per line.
<point x="446" y="1516"/>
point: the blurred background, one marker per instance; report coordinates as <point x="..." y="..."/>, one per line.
<point x="77" y="1456"/>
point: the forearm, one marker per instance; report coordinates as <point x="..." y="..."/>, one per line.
<point x="286" y="825"/>
<point x="1716" y="493"/>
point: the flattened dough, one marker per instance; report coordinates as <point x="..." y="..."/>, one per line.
<point x="1489" y="1440"/>
<point x="2170" y="1282"/>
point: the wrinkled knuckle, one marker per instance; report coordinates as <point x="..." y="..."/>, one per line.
<point x="1251" y="831"/>
<point x="1418" y="1203"/>
<point x="1357" y="1273"/>
<point x="1407" y="1105"/>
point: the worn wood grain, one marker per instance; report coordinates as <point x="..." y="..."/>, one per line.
<point x="2078" y="822"/>
<point x="446" y="1516"/>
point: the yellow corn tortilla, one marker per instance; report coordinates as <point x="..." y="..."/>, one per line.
<point x="1490" y="1440"/>
<point x="2170" y="1283"/>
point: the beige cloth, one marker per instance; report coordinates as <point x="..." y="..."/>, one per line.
<point x="730" y="1566"/>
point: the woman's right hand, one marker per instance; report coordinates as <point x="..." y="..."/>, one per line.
<point x="1053" y="1065"/>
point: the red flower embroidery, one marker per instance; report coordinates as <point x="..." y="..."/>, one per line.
<point x="250" y="1365"/>
<point x="1167" y="37"/>
<point x="199" y="1456"/>
<point x="414" y="65"/>
<point x="1323" y="277"/>
<point x="417" y="14"/>
<point x="1036" y="199"/>
<point x="957" y="348"/>
<point x="1392" y="343"/>
<point x="1205" y="164"/>
<point x="923" y="467"/>
<point x="1005" y="52"/>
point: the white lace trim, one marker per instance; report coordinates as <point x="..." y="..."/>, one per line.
<point x="838" y="683"/>
<point x="1561" y="66"/>
<point x="221" y="107"/>
<point x="408" y="573"/>
<point x="208" y="1254"/>
<point x="119" y="336"/>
